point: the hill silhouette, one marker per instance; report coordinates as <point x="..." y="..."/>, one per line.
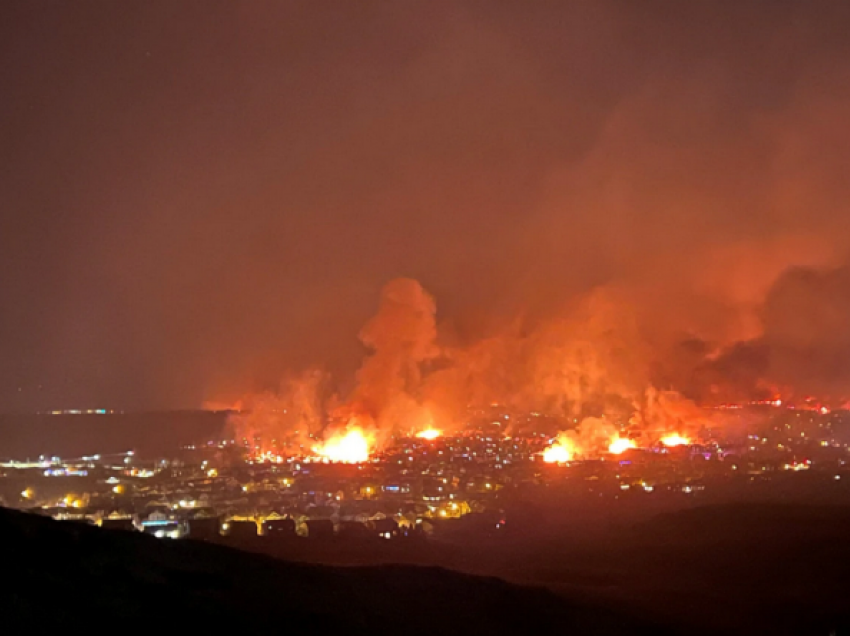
<point x="65" y="574"/>
<point x="734" y="568"/>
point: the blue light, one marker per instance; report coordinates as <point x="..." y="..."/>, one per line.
<point x="158" y="523"/>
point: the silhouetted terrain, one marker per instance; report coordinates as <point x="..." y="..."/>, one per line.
<point x="734" y="569"/>
<point x="755" y="568"/>
<point x="737" y="568"/>
<point x="64" y="575"/>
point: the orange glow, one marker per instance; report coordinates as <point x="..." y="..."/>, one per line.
<point x="675" y="440"/>
<point x="267" y="456"/>
<point x="351" y="447"/>
<point x="621" y="444"/>
<point x="72" y="501"/>
<point x="560" y="452"/>
<point x="431" y="433"/>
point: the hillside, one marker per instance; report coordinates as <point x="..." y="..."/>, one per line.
<point x="754" y="568"/>
<point x="67" y="575"/>
<point x="779" y="569"/>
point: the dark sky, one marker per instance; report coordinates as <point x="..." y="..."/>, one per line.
<point x="197" y="196"/>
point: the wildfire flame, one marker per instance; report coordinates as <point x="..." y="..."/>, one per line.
<point x="350" y="447"/>
<point x="675" y="440"/>
<point x="558" y="453"/>
<point x="430" y="434"/>
<point x="620" y="445"/>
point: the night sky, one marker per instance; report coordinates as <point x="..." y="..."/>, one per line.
<point x="198" y="196"/>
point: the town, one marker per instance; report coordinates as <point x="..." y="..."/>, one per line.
<point x="424" y="487"/>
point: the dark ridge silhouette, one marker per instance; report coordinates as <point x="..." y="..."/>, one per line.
<point x="63" y="574"/>
<point x="790" y="523"/>
<point x="738" y="568"/>
<point x="734" y="569"/>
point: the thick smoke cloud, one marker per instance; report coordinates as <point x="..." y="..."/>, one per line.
<point x="586" y="358"/>
<point x="804" y="350"/>
<point x="590" y="364"/>
<point x="401" y="337"/>
<point x="807" y="332"/>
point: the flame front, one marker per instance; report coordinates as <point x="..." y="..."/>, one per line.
<point x="620" y="445"/>
<point x="558" y="453"/>
<point x="430" y="434"/>
<point x="675" y="440"/>
<point x="350" y="447"/>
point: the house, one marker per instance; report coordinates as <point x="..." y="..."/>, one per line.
<point x="355" y="530"/>
<point x="321" y="529"/>
<point x="386" y="528"/>
<point x="279" y="528"/>
<point x="241" y="529"/>
<point x="124" y="523"/>
<point x="204" y="528"/>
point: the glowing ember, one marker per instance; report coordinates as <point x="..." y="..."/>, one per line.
<point x="557" y="453"/>
<point x="352" y="447"/>
<point x="621" y="444"/>
<point x="675" y="440"/>
<point x="431" y="433"/>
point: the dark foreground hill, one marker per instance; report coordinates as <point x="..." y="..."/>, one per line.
<point x="738" y="569"/>
<point x="776" y="569"/>
<point x="74" y="577"/>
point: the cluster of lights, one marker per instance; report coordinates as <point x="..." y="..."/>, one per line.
<point x="80" y="412"/>
<point x="807" y="405"/>
<point x="268" y="457"/>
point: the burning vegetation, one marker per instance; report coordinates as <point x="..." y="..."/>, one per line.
<point x="560" y="452"/>
<point x="591" y="377"/>
<point x="349" y="447"/>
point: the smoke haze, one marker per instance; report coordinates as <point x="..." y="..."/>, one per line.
<point x="603" y="197"/>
